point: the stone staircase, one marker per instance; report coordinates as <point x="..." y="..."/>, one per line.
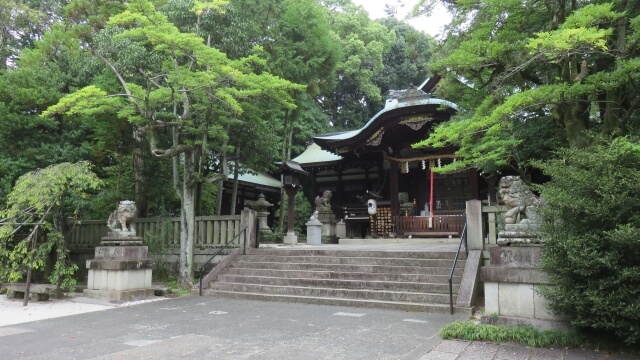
<point x="401" y="280"/>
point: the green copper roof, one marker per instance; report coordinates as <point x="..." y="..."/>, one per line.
<point x="391" y="104"/>
<point x="315" y="154"/>
<point x="258" y="178"/>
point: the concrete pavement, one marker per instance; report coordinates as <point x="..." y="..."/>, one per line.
<point x="477" y="350"/>
<point x="194" y="327"/>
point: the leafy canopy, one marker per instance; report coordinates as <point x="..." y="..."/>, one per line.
<point x="31" y="221"/>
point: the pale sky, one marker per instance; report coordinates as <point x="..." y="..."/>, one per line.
<point x="432" y="25"/>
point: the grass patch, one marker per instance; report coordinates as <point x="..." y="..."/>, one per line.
<point x="525" y="335"/>
<point x="172" y="288"/>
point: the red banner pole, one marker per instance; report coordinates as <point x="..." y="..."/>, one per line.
<point x="431" y="195"/>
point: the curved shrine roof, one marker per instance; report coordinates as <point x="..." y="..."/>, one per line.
<point x="412" y="107"/>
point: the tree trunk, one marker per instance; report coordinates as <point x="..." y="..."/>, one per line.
<point x="288" y="126"/>
<point x="187" y="223"/>
<point x="612" y="112"/>
<point x="236" y="174"/>
<point x="140" y="186"/>
<point x="575" y="117"/>
<point x="613" y="104"/>
<point x="575" y="113"/>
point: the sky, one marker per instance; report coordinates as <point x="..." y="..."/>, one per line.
<point x="431" y="25"/>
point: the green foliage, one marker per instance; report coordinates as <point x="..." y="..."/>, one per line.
<point x="156" y="241"/>
<point x="592" y="236"/>
<point x="525" y="335"/>
<point x="405" y="62"/>
<point x="363" y="43"/>
<point x="32" y="224"/>
<point x="570" y="66"/>
<point x="274" y="237"/>
<point x="303" y="211"/>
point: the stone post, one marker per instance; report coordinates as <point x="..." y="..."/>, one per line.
<point x="248" y="219"/>
<point x="314" y="230"/>
<point x="474" y="225"/>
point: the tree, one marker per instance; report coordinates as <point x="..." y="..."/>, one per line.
<point x="363" y="43"/>
<point x="592" y="236"/>
<point x="407" y="60"/>
<point x="18" y="24"/>
<point x="181" y="92"/>
<point x="33" y="223"/>
<point x="570" y="65"/>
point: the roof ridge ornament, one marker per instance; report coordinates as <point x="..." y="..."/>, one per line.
<point x="416" y="122"/>
<point x="411" y="91"/>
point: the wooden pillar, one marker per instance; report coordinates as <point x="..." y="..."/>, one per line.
<point x="367" y="183"/>
<point x="341" y="188"/>
<point x="393" y="193"/>
<point x="291" y="194"/>
<point x="314" y="186"/>
<point x="492" y="182"/>
<point x="422" y="191"/>
<point x="473" y="182"/>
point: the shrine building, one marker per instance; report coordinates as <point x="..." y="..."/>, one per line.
<point x="377" y="162"/>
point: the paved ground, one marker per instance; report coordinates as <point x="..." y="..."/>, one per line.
<point x="475" y="350"/>
<point x="205" y="328"/>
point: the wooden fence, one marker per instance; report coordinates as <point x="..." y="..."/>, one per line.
<point x="210" y="231"/>
<point x="439" y="225"/>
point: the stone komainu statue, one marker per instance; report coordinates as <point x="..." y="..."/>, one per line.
<point x="120" y="220"/>
<point x="514" y="193"/>
<point x="324" y="202"/>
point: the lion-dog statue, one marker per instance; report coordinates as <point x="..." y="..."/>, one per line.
<point x="120" y="221"/>
<point x="514" y="193"/>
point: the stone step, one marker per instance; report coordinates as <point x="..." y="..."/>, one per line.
<point x="383" y="295"/>
<point x="358" y="253"/>
<point x="364" y="303"/>
<point x="308" y="274"/>
<point x="340" y="283"/>
<point x="349" y="268"/>
<point x="350" y="260"/>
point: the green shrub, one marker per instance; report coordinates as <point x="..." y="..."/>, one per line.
<point x="525" y="335"/>
<point x="592" y="236"/>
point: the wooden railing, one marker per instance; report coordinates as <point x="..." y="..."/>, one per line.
<point x="210" y="231"/>
<point x="491" y="223"/>
<point x="440" y="225"/>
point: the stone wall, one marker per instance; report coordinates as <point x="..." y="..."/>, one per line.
<point x="512" y="281"/>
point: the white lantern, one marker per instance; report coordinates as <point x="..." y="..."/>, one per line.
<point x="372" y="207"/>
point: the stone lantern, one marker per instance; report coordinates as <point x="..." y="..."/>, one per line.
<point x="261" y="205"/>
<point x="291" y="182"/>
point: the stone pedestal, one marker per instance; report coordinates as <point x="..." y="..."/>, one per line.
<point x="120" y="271"/>
<point x="263" y="227"/>
<point x="314" y="232"/>
<point x="290" y="239"/>
<point x="522" y="233"/>
<point x="328" y="220"/>
<point x="341" y="229"/>
<point x="511" y="284"/>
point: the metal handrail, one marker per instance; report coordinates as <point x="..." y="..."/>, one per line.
<point x="463" y="236"/>
<point x="244" y="252"/>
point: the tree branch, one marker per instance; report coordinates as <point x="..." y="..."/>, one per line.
<point x="173" y="151"/>
<point x="121" y="79"/>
